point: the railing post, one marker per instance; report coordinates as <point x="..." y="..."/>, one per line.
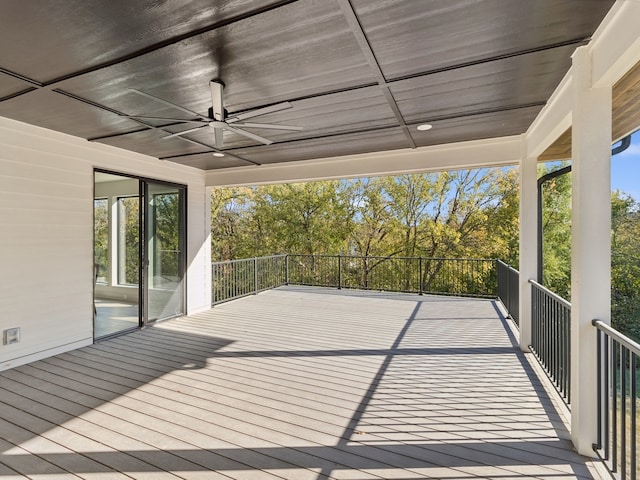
<point x="255" y="276"/>
<point x="420" y="277"/>
<point x="286" y="262"/>
<point x="213" y="290"/>
<point x="339" y="272"/>
<point x="507" y="279"/>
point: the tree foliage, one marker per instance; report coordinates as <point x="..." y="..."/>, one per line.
<point x="166" y="234"/>
<point x="625" y="264"/>
<point x="450" y="214"/>
<point x="101" y="237"/>
<point x="625" y="250"/>
<point x="129" y="240"/>
<point x="556" y="228"/>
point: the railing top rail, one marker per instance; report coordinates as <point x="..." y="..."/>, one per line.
<point x="555" y="296"/>
<point x="237" y="260"/>
<point x="619" y="337"/>
<point x="389" y="258"/>
<point x="507" y="265"/>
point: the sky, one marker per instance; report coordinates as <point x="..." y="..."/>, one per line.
<point x="625" y="169"/>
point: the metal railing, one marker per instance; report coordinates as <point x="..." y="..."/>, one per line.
<point x="509" y="289"/>
<point x="618" y="402"/>
<point x="448" y="276"/>
<point x="238" y="278"/>
<point x="551" y="336"/>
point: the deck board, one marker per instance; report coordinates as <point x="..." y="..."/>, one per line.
<point x="296" y="383"/>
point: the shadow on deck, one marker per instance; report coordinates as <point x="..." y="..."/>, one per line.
<point x="299" y="383"/>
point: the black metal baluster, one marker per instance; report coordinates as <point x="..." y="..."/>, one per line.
<point x="607" y="396"/>
<point x="634" y="415"/>
<point x="623" y="412"/>
<point x="614" y="407"/>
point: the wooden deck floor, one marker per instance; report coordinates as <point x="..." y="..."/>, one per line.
<point x="293" y="383"/>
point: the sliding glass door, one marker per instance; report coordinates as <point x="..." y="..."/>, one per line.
<point x="117" y="234"/>
<point x="164" y="228"/>
<point x="139" y="252"/>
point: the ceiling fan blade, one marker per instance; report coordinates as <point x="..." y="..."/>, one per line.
<point x="260" y="111"/>
<point x="253" y="136"/>
<point x="216" y="100"/>
<point x="166" y="118"/>
<point x="267" y="125"/>
<point x="148" y="95"/>
<point x="177" y="134"/>
<point x="218" y="136"/>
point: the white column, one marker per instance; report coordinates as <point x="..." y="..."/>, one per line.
<point x="198" y="248"/>
<point x="207" y="246"/>
<point x="528" y="243"/>
<point x="591" y="242"/>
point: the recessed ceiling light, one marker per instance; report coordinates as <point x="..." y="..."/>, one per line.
<point x="218" y="154"/>
<point x="424" y="127"/>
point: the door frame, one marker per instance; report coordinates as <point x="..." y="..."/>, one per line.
<point x="143" y="274"/>
<point x="144" y="245"/>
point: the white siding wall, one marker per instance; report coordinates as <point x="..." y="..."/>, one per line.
<point x="46" y="236"/>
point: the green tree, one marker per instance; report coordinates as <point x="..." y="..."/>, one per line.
<point x="556" y="227"/>
<point x="503" y="223"/>
<point x="129" y="240"/>
<point x="101" y="236"/>
<point x="303" y="218"/>
<point x="372" y="219"/>
<point x="229" y="213"/>
<point x="625" y="264"/>
<point x="409" y="198"/>
<point x="166" y="217"/>
<point x="463" y="202"/>
<point x="445" y="214"/>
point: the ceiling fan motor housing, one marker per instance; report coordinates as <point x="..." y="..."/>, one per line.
<point x="210" y="113"/>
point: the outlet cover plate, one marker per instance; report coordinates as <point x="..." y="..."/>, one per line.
<point x="11" y="336"/>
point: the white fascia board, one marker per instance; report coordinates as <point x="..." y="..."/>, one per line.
<point x="615" y="45"/>
<point x="493" y="152"/>
<point x="553" y="119"/>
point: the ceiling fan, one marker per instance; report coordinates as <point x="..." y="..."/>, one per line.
<point x="217" y="118"/>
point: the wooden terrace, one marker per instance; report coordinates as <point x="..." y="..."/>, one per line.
<point x="297" y="383"/>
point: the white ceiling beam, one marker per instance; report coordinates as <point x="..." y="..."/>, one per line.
<point x="553" y="119"/>
<point x="494" y="152"/>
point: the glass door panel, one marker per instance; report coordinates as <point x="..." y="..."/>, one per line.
<point x="165" y="260"/>
<point x="117" y="220"/>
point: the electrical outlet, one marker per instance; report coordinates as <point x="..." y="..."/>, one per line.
<point x="11" y="336"/>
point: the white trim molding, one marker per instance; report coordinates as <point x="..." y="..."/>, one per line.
<point x="493" y="152"/>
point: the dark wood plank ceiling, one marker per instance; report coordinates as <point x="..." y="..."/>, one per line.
<point x="360" y="74"/>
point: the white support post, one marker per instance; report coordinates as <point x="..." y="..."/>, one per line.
<point x="528" y="243"/>
<point x="591" y="242"/>
<point x="198" y="249"/>
<point x="207" y="248"/>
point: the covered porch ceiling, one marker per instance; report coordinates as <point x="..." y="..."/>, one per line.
<point x="360" y="75"/>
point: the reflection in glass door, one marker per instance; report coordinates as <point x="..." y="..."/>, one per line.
<point x="116" y="267"/>
<point x="164" y="227"/>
